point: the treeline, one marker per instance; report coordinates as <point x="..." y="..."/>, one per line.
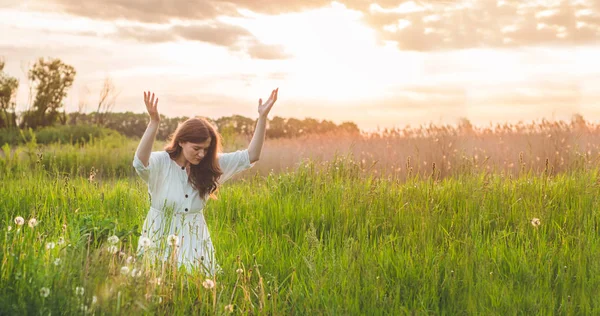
<point x="50" y="80"/>
<point x="134" y="124"/>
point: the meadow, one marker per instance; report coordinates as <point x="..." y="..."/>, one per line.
<point x="427" y="220"/>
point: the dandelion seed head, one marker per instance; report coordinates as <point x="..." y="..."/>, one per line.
<point x="9" y="228"/>
<point x="173" y="240"/>
<point x="239" y="270"/>
<point x="50" y="245"/>
<point x="57" y="261"/>
<point x="19" y="221"/>
<point x="44" y="292"/>
<point x="145" y="242"/>
<point x="61" y="241"/>
<point x="113" y="239"/>
<point x="208" y="284"/>
<point x="79" y="290"/>
<point x="32" y="222"/>
<point x="94" y="299"/>
<point x="229" y="308"/>
<point x="124" y="270"/>
<point x="112" y="249"/>
<point x="536" y="222"/>
<point x="136" y="272"/>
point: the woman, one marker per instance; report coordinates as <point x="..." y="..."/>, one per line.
<point x="181" y="179"/>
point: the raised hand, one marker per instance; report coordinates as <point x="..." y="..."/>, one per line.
<point x="264" y="108"/>
<point x="151" y="106"/>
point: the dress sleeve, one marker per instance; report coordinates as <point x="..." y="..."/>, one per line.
<point x="232" y="163"/>
<point x="155" y="163"/>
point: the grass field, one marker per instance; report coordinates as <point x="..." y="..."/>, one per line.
<point x="323" y="238"/>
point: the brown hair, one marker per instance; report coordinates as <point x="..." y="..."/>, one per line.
<point x="204" y="175"/>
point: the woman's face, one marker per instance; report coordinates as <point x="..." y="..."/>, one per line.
<point x="195" y="152"/>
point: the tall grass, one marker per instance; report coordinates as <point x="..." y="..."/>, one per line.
<point x="319" y="240"/>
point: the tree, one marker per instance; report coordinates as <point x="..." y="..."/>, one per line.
<point x="52" y="79"/>
<point x="8" y="90"/>
<point x="107" y="100"/>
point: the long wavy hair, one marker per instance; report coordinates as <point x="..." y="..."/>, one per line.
<point x="203" y="176"/>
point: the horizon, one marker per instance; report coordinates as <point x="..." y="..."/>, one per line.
<point x="383" y="64"/>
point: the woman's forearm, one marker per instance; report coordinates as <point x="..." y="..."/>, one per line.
<point x="258" y="139"/>
<point x="145" y="147"/>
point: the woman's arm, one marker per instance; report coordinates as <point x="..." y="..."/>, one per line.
<point x="145" y="147"/>
<point x="258" y="138"/>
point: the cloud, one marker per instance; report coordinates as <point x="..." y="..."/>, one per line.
<point x="233" y="37"/>
<point x="416" y="25"/>
<point x="474" y="24"/>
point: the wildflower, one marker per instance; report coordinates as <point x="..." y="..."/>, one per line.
<point x="79" y="290"/>
<point x="61" y="241"/>
<point x="229" y="308"/>
<point x="32" y="222"/>
<point x="94" y="299"/>
<point x="9" y="228"/>
<point x="112" y="249"/>
<point x="239" y="270"/>
<point x="145" y="242"/>
<point x="57" y="262"/>
<point x="44" y="292"/>
<point x="84" y="308"/>
<point x="19" y="221"/>
<point x="124" y="270"/>
<point x="535" y="222"/>
<point x="64" y="227"/>
<point x="173" y="240"/>
<point x="129" y="259"/>
<point x="208" y="284"/>
<point x="113" y="239"/>
<point x="50" y="245"/>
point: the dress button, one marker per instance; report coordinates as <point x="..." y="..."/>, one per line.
<point x="186" y="195"/>
<point x="186" y="209"/>
<point x="182" y="168"/>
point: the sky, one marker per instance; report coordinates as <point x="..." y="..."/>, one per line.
<point x="380" y="64"/>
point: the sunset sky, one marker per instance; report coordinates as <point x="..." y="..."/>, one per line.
<point x="378" y="63"/>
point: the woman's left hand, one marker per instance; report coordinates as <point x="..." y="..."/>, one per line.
<point x="264" y="108"/>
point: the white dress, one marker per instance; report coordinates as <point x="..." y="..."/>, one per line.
<point x="176" y="208"/>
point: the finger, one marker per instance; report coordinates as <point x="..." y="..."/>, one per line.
<point x="145" y="98"/>
<point x="156" y="104"/>
<point x="152" y="100"/>
<point x="260" y="102"/>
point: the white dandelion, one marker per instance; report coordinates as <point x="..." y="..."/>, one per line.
<point x="112" y="249"/>
<point x="113" y="239"/>
<point x="229" y="308"/>
<point x="61" y="241"/>
<point x="79" y="290"/>
<point x="208" y="284"/>
<point x="44" y="292"/>
<point x="129" y="259"/>
<point x="9" y="228"/>
<point x="536" y="222"/>
<point x="57" y="261"/>
<point x="239" y="270"/>
<point x="50" y="245"/>
<point x="173" y="240"/>
<point x="145" y="242"/>
<point x="19" y="221"/>
<point x="124" y="270"/>
<point x="32" y="222"/>
<point x="94" y="299"/>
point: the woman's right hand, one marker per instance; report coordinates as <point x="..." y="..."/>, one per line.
<point x="151" y="106"/>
